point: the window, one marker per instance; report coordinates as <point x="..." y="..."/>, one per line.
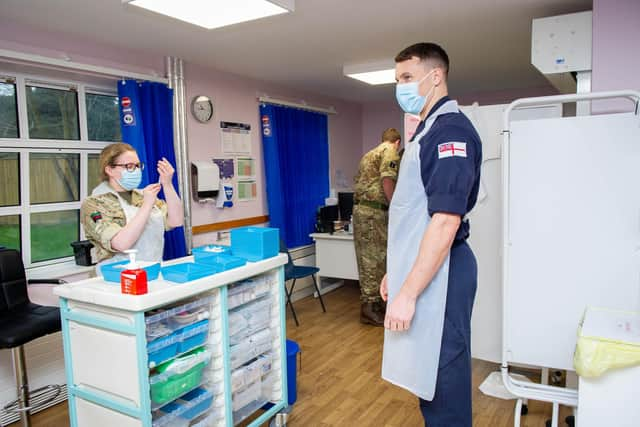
<point x="52" y="113"/>
<point x="103" y="117"/>
<point x="8" y="109"/>
<point x="51" y="135"/>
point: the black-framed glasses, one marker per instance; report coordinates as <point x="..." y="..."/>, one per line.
<point x="130" y="166"/>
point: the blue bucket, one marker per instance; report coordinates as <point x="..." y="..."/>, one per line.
<point x="292" y="351"/>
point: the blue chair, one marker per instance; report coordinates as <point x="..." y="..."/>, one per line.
<point x="295" y="272"/>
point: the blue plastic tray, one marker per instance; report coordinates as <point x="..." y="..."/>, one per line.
<point x="162" y="349"/>
<point x="200" y="399"/>
<point x="189" y="342"/>
<point x="111" y="272"/>
<point x="203" y="253"/>
<point x="255" y="243"/>
<point x="186" y="272"/>
<point x="223" y="262"/>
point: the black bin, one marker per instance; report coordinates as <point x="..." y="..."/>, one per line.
<point x="82" y="252"/>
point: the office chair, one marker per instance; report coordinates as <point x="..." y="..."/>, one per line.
<point x="292" y="271"/>
<point x="21" y="321"/>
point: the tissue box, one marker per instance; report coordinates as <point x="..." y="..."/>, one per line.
<point x="111" y="272"/>
<point x="255" y="243"/>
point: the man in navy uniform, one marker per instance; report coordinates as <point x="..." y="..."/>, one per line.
<point x="431" y="271"/>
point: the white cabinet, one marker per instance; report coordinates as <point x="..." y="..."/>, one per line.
<point x="172" y="357"/>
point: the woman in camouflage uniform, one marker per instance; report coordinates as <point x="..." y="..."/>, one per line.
<point x="117" y="216"/>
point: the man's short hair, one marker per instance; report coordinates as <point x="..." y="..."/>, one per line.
<point x="426" y="52"/>
<point x="391" y="135"/>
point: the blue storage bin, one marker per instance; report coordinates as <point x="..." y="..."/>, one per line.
<point x="111" y="272"/>
<point x="201" y="400"/>
<point x="163" y="349"/>
<point x="186" y="272"/>
<point x="189" y="341"/>
<point x="202" y="254"/>
<point x="224" y="262"/>
<point x="292" y="390"/>
<point x="255" y="243"/>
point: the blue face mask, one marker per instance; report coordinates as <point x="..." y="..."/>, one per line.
<point x="130" y="180"/>
<point x="409" y="98"/>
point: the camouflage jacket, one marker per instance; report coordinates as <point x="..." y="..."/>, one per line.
<point x="381" y="162"/>
<point x="102" y="218"/>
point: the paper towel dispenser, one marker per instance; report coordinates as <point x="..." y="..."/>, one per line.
<point x="205" y="180"/>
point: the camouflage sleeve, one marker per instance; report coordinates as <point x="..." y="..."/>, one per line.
<point x="389" y="164"/>
<point x="101" y="221"/>
<point x="162" y="205"/>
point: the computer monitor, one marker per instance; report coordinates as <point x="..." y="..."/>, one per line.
<point x="345" y="203"/>
<point x="329" y="213"/>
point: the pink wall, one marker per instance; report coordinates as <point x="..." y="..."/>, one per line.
<point x="376" y="117"/>
<point x="616" y="62"/>
<point x="234" y="100"/>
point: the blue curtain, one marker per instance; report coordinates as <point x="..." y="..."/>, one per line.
<point x="296" y="158"/>
<point x="146" y="120"/>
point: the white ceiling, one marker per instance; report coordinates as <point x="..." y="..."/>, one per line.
<point x="488" y="41"/>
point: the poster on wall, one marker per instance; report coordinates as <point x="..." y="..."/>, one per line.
<point x="235" y="137"/>
<point x="247" y="190"/>
<point x="246" y="168"/>
<point x="226" y="168"/>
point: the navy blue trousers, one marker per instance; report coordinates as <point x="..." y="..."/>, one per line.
<point x="451" y="404"/>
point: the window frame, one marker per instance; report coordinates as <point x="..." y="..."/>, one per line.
<point x="24" y="145"/>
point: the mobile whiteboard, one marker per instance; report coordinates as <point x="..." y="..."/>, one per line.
<point x="574" y="231"/>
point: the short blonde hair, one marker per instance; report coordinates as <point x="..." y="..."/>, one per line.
<point x="109" y="154"/>
<point x="391" y="135"/>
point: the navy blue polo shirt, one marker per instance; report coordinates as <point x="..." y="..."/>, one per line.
<point x="450" y="159"/>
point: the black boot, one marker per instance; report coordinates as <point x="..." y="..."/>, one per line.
<point x="370" y="314"/>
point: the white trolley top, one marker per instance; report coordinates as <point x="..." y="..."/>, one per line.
<point x="161" y="292"/>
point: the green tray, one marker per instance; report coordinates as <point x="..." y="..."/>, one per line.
<point x="177" y="385"/>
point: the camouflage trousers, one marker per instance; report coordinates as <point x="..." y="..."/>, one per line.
<point x="370" y="239"/>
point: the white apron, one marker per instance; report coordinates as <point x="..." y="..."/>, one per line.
<point x="150" y="244"/>
<point x="410" y="358"/>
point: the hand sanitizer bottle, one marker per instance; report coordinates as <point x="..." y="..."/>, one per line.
<point x="133" y="280"/>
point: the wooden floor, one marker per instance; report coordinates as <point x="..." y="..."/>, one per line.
<point x="339" y="378"/>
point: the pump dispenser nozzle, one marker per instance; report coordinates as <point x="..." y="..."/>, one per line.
<point x="132" y="258"/>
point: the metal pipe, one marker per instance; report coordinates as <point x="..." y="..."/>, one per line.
<point x="185" y="187"/>
<point x="22" y="384"/>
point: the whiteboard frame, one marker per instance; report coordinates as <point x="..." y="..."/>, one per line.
<point x="524" y="390"/>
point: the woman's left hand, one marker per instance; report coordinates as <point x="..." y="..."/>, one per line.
<point x="166" y="171"/>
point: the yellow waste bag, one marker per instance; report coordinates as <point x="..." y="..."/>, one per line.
<point x="596" y="355"/>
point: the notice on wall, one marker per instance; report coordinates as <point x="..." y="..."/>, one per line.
<point x="235" y="137"/>
<point x="226" y="168"/>
<point x="246" y="168"/>
<point x="247" y="190"/>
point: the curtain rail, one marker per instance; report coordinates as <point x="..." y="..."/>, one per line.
<point x="276" y="101"/>
<point x="61" y="64"/>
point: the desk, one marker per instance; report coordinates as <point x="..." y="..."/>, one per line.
<point x="336" y="255"/>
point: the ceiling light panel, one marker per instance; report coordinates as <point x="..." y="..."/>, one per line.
<point x="215" y="13"/>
